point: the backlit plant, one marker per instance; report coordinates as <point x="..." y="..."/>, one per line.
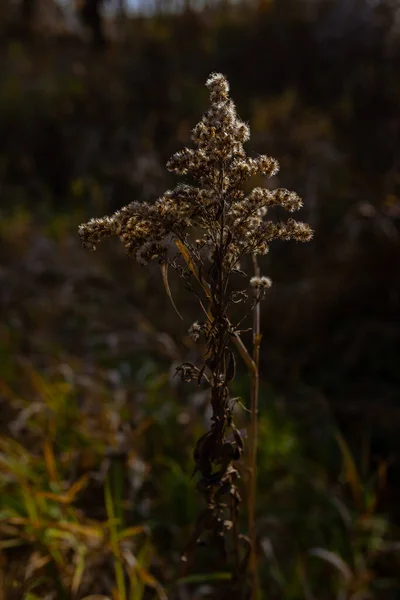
<point x="208" y="232"/>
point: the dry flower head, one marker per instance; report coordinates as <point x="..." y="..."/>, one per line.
<point x="219" y="164"/>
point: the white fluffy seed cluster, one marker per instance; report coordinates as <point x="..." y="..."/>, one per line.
<point x="261" y="283"/>
<point x="195" y="330"/>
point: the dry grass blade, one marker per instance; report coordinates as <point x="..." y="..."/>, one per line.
<point x="70" y="496"/>
<point x="333" y="559"/>
<point x="351" y="470"/>
<point x="131" y="532"/>
<point x="79" y="570"/>
<point x="50" y="461"/>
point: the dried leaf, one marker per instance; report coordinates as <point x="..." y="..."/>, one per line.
<point x="231" y="366"/>
<point x="238" y="437"/>
<point x="164" y="272"/>
<point x="192" y="267"/>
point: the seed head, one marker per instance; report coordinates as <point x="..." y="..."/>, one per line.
<point x="195" y="330"/>
<point x="260" y="283"/>
<point x="220" y="166"/>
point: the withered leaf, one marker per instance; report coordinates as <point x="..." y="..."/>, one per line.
<point x="238" y="437"/>
<point x="164" y="273"/>
<point x="230" y="367"/>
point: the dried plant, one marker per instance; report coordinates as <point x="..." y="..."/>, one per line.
<point x="205" y="233"/>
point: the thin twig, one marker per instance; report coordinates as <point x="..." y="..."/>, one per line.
<point x="253" y="566"/>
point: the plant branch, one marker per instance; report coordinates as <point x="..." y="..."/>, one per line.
<point x="244" y="353"/>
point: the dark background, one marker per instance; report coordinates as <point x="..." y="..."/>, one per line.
<point x="94" y="98"/>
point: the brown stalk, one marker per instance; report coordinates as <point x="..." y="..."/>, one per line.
<point x="255" y="384"/>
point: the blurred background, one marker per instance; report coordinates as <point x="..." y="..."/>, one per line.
<point x="96" y="435"/>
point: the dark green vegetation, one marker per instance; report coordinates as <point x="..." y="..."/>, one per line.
<point x="96" y="434"/>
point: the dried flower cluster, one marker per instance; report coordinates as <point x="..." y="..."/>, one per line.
<point x="214" y="226"/>
<point x="220" y="166"/>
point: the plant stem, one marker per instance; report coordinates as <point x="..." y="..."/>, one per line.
<point x="253" y="566"/>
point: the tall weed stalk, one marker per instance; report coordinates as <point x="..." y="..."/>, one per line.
<point x="207" y="233"/>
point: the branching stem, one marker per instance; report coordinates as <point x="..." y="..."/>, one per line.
<point x="231" y="225"/>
